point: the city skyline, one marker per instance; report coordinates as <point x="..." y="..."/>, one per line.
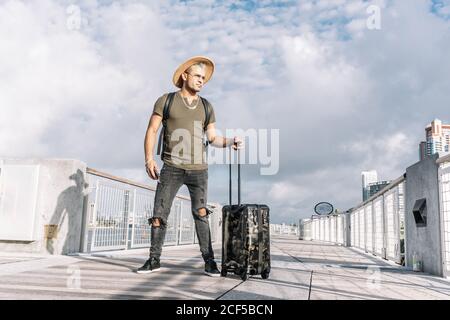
<point x="437" y="137"/>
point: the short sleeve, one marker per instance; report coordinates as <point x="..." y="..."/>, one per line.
<point x="212" y="116"/>
<point x="159" y="105"/>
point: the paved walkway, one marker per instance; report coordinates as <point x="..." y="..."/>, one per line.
<point x="301" y="270"/>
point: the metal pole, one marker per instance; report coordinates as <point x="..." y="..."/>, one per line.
<point x="230" y="180"/>
<point x="239" y="177"/>
<point x="133" y="213"/>
<point x="94" y="217"/>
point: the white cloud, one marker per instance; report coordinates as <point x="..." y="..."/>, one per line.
<point x="345" y="98"/>
<point x="288" y="191"/>
<point x="66" y="92"/>
<point x="385" y="152"/>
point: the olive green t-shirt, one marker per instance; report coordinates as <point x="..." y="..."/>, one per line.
<point x="184" y="147"/>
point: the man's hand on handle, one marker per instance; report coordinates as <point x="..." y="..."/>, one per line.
<point x="152" y="169"/>
<point x="238" y="143"/>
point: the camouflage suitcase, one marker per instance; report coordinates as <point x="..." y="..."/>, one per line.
<point x="245" y="238"/>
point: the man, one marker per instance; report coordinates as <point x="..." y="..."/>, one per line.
<point x="183" y="157"/>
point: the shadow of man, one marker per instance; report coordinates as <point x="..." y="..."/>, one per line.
<point x="69" y="206"/>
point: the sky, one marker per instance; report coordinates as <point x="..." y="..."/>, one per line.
<point x="347" y="91"/>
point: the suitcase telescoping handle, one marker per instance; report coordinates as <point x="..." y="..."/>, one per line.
<point x="239" y="177"/>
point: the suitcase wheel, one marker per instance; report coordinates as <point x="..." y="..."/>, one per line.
<point x="265" y="274"/>
<point x="244" y="275"/>
<point x="223" y="272"/>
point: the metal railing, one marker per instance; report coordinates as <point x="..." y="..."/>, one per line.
<point x="283" y="229"/>
<point x="118" y="211"/>
<point x="444" y="196"/>
<point x="324" y="228"/>
<point x="376" y="225"/>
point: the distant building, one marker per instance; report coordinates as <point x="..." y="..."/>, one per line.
<point x="423" y="150"/>
<point x="368" y="177"/>
<point x="437" y="140"/>
<point x="375" y="187"/>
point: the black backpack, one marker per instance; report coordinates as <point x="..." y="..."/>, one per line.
<point x="166" y="114"/>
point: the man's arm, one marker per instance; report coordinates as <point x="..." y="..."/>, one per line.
<point x="221" y="142"/>
<point x="149" y="145"/>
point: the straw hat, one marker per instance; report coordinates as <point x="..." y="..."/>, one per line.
<point x="209" y="67"/>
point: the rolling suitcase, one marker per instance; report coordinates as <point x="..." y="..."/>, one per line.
<point x="245" y="237"/>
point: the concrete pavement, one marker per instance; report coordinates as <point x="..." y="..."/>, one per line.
<point x="301" y="270"/>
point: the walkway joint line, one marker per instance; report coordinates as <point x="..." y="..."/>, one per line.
<point x="310" y="285"/>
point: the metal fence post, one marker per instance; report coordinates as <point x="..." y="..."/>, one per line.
<point x="133" y="220"/>
<point x="179" y="224"/>
<point x="94" y="217"/>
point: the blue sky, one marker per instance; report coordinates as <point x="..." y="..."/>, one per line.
<point x="441" y="8"/>
<point x="345" y="98"/>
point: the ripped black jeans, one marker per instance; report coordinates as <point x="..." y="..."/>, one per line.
<point x="170" y="181"/>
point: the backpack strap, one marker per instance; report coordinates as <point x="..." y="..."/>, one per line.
<point x="166" y="114"/>
<point x="208" y="108"/>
